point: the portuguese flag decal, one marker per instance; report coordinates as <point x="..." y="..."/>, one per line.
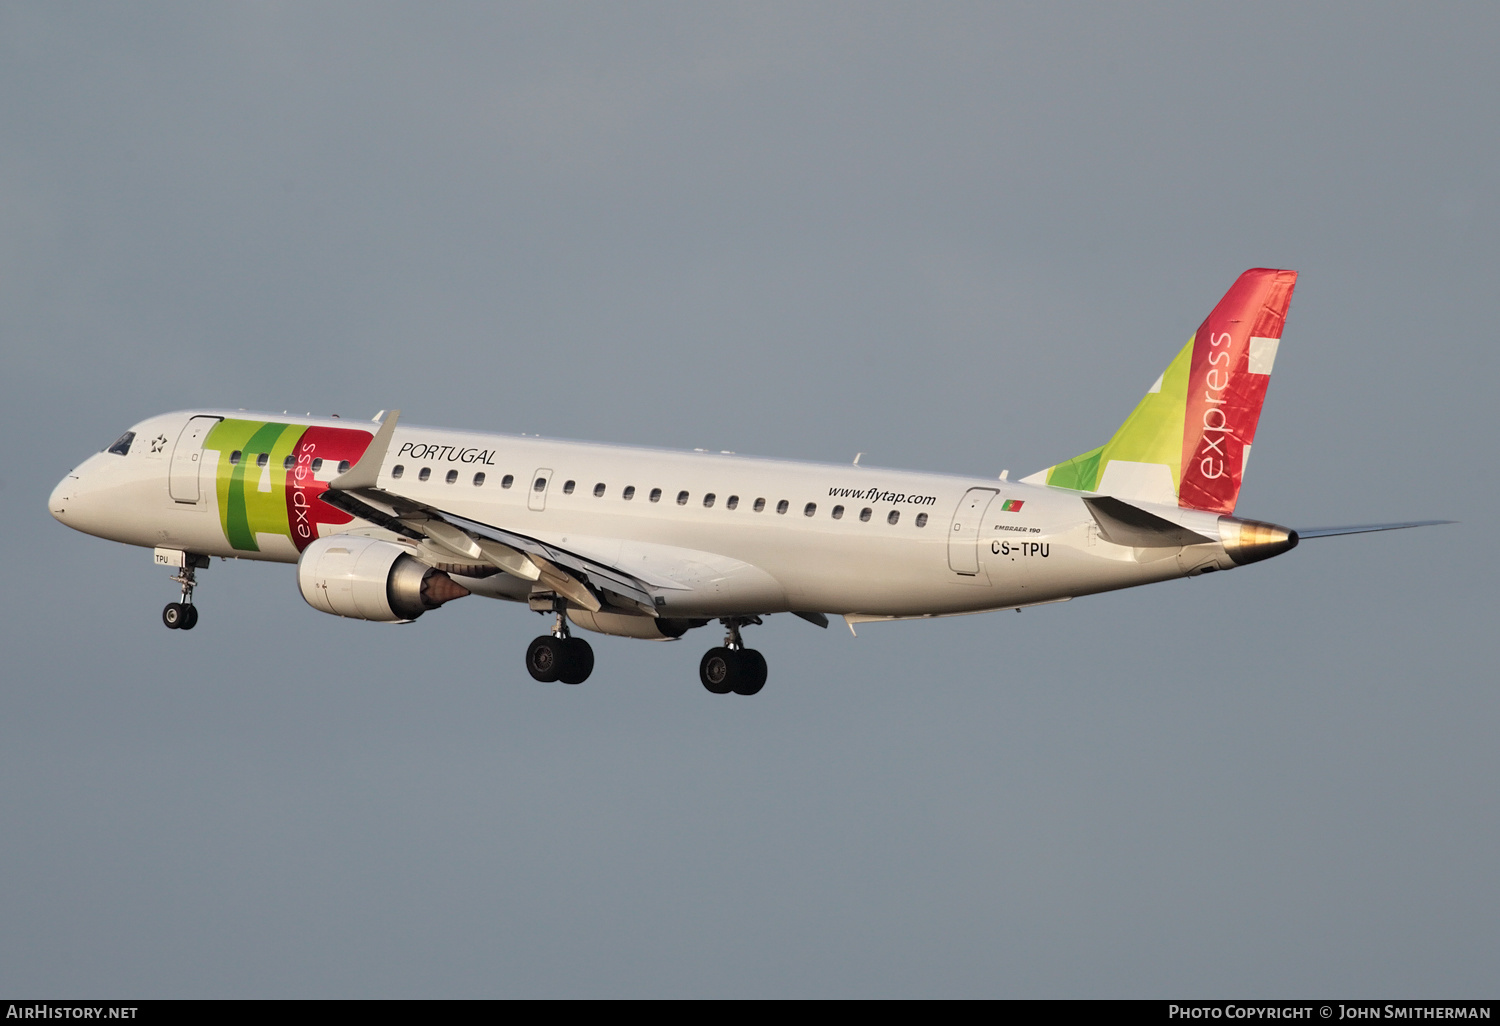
<point x="1012" y="505"/>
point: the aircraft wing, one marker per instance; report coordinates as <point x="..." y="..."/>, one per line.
<point x="589" y="574"/>
<point x="579" y="578"/>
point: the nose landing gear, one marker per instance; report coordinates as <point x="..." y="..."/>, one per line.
<point x="559" y="655"/>
<point x="733" y="667"/>
<point x="183" y="616"/>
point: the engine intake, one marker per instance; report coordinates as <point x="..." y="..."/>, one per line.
<point x="369" y="579"/>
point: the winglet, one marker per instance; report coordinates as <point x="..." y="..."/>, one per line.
<point x="366" y="472"/>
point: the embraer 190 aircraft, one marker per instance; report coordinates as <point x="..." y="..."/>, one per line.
<point x="386" y="522"/>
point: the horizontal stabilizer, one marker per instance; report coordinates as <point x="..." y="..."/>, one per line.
<point x="1329" y="532"/>
<point x="1123" y="524"/>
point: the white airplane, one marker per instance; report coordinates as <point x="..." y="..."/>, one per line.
<point x="388" y="521"/>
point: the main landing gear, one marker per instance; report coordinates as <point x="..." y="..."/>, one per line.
<point x="183" y="616"/>
<point x="560" y="656"/>
<point x="733" y="667"/>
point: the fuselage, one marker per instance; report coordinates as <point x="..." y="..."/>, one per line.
<point x="723" y="534"/>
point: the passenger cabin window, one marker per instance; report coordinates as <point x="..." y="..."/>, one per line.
<point x="733" y="502"/>
<point x="628" y="493"/>
<point x="599" y="490"/>
<point x="921" y="519"/>
<point x="656" y="495"/>
<point x="398" y="470"/>
<point x="263" y="459"/>
<point x="479" y="479"/>
<point x="809" y="509"/>
<point x="708" y="500"/>
<point x="288" y="463"/>
<point x="864" y="515"/>
<point x="682" y="498"/>
<point x="234" y="457"/>
<point x="343" y="466"/>
<point x="452" y="477"/>
<point x="122" y="444"/>
<point x="783" y="506"/>
<point x="317" y="463"/>
<point x="838" y="512"/>
<point x="568" y="487"/>
<point x="895" y="516"/>
<point x="760" y="505"/>
<point x="540" y="485"/>
<point x="424" y="473"/>
<point x="507" y="480"/>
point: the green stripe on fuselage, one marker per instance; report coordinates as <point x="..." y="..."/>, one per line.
<point x="245" y="511"/>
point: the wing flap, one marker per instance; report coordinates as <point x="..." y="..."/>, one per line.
<point x="575" y="576"/>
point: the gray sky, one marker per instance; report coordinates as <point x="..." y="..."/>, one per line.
<point x="956" y="237"/>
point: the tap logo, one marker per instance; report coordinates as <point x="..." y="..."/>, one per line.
<point x="273" y="488"/>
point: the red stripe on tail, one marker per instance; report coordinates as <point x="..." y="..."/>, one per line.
<point x="1224" y="397"/>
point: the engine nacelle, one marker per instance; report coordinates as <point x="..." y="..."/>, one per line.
<point x="368" y="579"/>
<point x="622" y="625"/>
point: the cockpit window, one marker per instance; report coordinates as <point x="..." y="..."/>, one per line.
<point x="122" y="446"/>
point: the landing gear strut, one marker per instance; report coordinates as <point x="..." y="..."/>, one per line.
<point x="183" y="616"/>
<point x="559" y="655"/>
<point x="733" y="667"/>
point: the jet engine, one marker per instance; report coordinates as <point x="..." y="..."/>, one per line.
<point x="370" y="579"/>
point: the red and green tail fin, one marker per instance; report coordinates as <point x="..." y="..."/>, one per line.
<point x="1187" y="442"/>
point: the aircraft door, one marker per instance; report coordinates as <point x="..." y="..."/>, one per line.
<point x="963" y="536"/>
<point x="537" y="498"/>
<point x="187" y="457"/>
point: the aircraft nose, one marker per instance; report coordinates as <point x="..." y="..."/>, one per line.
<point x="61" y="497"/>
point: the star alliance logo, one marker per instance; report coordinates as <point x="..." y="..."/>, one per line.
<point x="158" y="443"/>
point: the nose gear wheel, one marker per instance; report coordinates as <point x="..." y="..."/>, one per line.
<point x="179" y="616"/>
<point x="183" y="616"/>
